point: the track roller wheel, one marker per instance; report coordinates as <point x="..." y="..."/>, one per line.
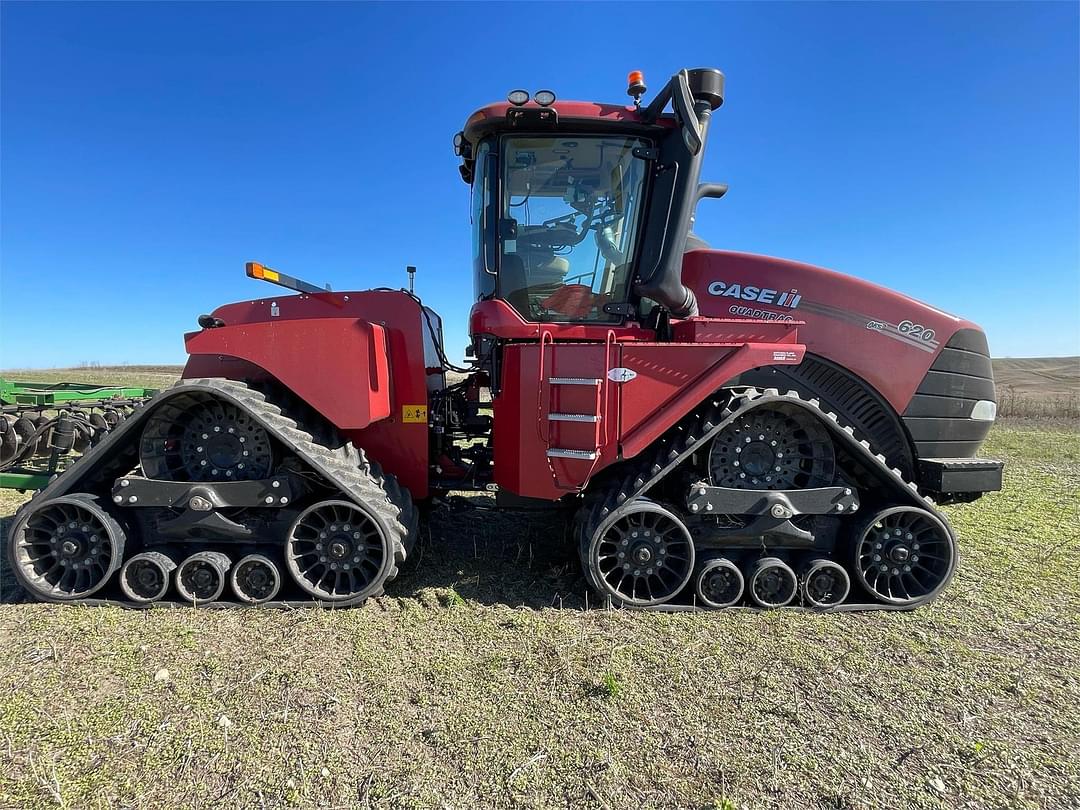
<point x="641" y="555"/>
<point x="904" y="556"/>
<point x="65" y="548"/>
<point x="338" y="552"/>
<point x="720" y="583"/>
<point x="145" y="577"/>
<point x="825" y="584"/>
<point x="255" y="579"/>
<point x="772" y="583"/>
<point x="201" y="577"/>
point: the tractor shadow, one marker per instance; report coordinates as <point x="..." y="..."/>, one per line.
<point x="511" y="559"/>
<point x="514" y="559"/>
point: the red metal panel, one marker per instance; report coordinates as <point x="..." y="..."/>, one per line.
<point x="306" y="357"/>
<point x="586" y="111"/>
<point x="734" y="330"/>
<point x="498" y="318"/>
<point x="522" y="431"/>
<point x="673" y="378"/>
<point x="879" y="335"/>
<point x="332" y="384"/>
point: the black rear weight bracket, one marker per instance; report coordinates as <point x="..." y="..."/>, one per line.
<point x="202" y="496"/>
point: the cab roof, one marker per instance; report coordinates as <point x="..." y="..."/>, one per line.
<point x="583" y="113"/>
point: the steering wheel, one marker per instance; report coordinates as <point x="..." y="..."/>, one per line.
<point x="557" y="235"/>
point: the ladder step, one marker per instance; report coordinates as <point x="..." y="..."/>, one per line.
<point x="573" y="417"/>
<point x="574" y="381"/>
<point x="557" y="452"/>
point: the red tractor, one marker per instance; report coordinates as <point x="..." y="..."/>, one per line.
<point x="728" y="428"/>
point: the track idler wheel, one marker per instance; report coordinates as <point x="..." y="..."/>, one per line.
<point x="201" y="577"/>
<point x="65" y="548"/>
<point x="255" y="579"/>
<point x="904" y="556"/>
<point x="772" y="583"/>
<point x="641" y="555"/>
<point x="720" y="583"/>
<point x="825" y="584"/>
<point x="145" y="577"/>
<point x="338" y="552"/>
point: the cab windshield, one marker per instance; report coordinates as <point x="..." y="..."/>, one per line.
<point x="569" y="218"/>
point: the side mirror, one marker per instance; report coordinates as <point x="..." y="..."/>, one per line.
<point x="713" y="190"/>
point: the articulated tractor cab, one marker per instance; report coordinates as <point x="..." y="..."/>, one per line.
<point x="721" y="428"/>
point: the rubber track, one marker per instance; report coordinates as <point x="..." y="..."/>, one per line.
<point x="695" y="431"/>
<point x="358" y="478"/>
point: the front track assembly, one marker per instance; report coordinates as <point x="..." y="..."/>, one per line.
<point x="763" y="499"/>
<point x="212" y="493"/>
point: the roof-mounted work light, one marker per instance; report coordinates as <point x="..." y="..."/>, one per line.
<point x="518" y="97"/>
<point x="545" y="98"/>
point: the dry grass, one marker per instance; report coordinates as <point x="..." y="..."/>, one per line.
<point x="467" y="685"/>
<point x="1043" y="389"/>
<point x="148" y="376"/>
<point x="1041" y="376"/>
<point x="1013" y="404"/>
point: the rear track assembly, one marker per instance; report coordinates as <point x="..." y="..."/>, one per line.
<point x="212" y="492"/>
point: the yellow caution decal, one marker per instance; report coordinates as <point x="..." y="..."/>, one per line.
<point x="414" y="414"/>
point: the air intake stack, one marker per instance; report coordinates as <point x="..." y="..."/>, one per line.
<point x="693" y="95"/>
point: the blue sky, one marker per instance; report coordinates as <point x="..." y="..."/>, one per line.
<point x="149" y="150"/>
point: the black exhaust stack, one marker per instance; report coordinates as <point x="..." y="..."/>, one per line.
<point x="693" y="94"/>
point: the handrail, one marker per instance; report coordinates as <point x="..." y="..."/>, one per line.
<point x="541" y="416"/>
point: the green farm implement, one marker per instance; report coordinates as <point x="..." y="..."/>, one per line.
<point x="45" y="426"/>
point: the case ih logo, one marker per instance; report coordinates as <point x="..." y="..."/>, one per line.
<point x="763" y="295"/>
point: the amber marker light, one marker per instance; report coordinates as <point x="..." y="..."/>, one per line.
<point x="635" y="85"/>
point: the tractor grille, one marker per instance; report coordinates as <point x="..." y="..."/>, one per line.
<point x="939" y="415"/>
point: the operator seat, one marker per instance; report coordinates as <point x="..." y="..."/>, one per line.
<point x="514" y="284"/>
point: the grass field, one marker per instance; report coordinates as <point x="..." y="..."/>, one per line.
<point x="480" y="680"/>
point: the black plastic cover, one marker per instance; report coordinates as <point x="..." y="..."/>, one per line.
<point x="938" y="418"/>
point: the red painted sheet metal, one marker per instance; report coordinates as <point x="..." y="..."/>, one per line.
<point x="887" y="339"/>
<point x="522" y="432"/>
<point x="494" y="115"/>
<point x="670" y="380"/>
<point x="305" y="356"/>
<point x="734" y="330"/>
<point x="498" y="318"/>
<point x="400" y="447"/>
<point x="674" y="378"/>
